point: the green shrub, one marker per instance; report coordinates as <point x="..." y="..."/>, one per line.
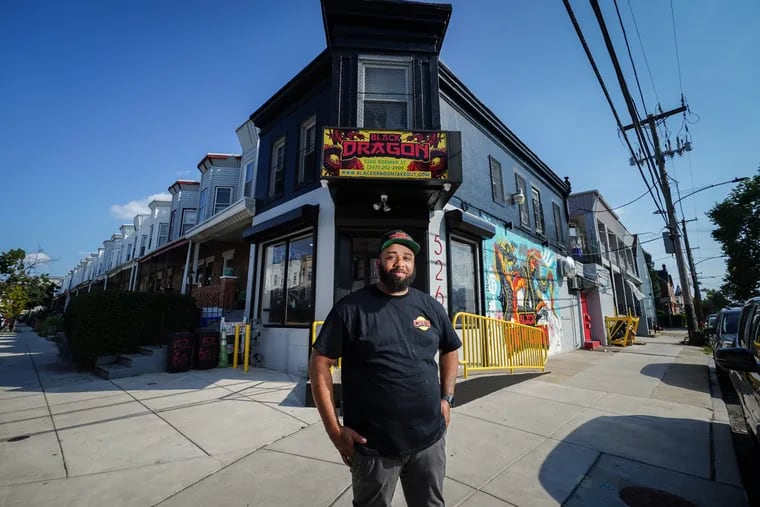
<point x="50" y="325"/>
<point x="119" y="322"/>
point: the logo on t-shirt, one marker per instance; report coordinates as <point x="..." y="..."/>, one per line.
<point x="421" y="323"/>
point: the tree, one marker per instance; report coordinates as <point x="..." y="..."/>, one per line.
<point x="738" y="232"/>
<point x="20" y="290"/>
<point x="653" y="276"/>
<point x="714" y="301"/>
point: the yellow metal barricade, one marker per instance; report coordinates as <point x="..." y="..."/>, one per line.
<point x="494" y="344"/>
<point x="314" y="326"/>
<point x="621" y="330"/>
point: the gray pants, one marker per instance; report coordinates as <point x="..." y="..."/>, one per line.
<point x="374" y="478"/>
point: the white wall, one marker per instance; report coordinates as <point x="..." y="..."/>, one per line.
<point x="287" y="349"/>
<point x="570" y="314"/>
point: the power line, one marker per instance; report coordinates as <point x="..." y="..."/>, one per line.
<point x="627" y="96"/>
<point x="675" y="39"/>
<point x="643" y="53"/>
<point x="591" y="60"/>
<point x="630" y="57"/>
<point x="621" y="206"/>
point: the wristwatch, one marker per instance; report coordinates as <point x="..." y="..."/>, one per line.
<point x="449" y="398"/>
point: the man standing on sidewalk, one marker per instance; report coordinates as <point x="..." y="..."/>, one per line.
<point x="395" y="410"/>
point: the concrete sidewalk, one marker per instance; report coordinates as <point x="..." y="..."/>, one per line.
<point x="599" y="426"/>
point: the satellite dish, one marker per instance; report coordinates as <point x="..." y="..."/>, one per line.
<point x="569" y="266"/>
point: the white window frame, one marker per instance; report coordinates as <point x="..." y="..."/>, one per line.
<point x="172" y="224"/>
<point x="202" y="205"/>
<point x="303" y="147"/>
<point x="143" y="244"/>
<point x="250" y="175"/>
<point x="161" y="225"/>
<point x="390" y="62"/>
<point x="216" y="198"/>
<point x="276" y="166"/>
<point x="185" y="212"/>
<point x="524" y="212"/>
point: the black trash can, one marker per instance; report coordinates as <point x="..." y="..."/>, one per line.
<point x="207" y="350"/>
<point x="179" y="351"/>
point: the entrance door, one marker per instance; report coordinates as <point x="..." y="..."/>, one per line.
<point x="586" y="318"/>
<point x="356" y="257"/>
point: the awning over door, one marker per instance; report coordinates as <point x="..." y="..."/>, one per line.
<point x="636" y="292"/>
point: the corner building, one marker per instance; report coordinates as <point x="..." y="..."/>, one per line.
<point x="377" y="133"/>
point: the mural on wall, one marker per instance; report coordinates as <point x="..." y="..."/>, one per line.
<point x="521" y="283"/>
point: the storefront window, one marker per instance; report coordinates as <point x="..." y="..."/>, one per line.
<point x="286" y="294"/>
<point x="465" y="293"/>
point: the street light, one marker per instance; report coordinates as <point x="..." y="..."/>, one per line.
<point x="709" y="258"/>
<point x="735" y="180"/>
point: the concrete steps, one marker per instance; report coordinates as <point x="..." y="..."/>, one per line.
<point x="148" y="360"/>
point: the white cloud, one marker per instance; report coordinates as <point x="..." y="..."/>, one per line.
<point x="137" y="207"/>
<point x="37" y="259"/>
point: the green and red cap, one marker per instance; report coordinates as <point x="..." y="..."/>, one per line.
<point x="398" y="237"/>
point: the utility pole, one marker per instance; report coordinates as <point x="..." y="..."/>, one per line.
<point x="693" y="269"/>
<point x="691" y="323"/>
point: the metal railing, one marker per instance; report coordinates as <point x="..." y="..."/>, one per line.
<point x="494" y="344"/>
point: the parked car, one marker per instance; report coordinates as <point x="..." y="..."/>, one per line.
<point x="724" y="330"/>
<point x="710" y="322"/>
<point x="743" y="363"/>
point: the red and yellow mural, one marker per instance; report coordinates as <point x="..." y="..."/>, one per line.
<point x="384" y="154"/>
<point x="521" y="283"/>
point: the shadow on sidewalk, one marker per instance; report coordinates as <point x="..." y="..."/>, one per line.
<point x="639" y="461"/>
<point x="479" y="386"/>
<point x="686" y="376"/>
<point x="31" y="365"/>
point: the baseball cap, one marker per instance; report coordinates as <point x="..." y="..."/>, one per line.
<point x="398" y="237"/>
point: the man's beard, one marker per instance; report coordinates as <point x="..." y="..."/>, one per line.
<point x="394" y="283"/>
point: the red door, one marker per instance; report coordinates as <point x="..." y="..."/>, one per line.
<point x="586" y="318"/>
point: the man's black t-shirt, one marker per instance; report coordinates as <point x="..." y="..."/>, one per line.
<point x="391" y="388"/>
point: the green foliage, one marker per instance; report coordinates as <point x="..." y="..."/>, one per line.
<point x="49" y="325"/>
<point x="12" y="262"/>
<point x="738" y="232"/>
<point x="654" y="278"/>
<point x="115" y="322"/>
<point x="714" y="301"/>
<point x="13" y="301"/>
<point x="666" y="320"/>
<point x="19" y="289"/>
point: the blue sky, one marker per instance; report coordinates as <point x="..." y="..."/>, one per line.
<point x="104" y="104"/>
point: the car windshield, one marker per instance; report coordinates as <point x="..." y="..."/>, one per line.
<point x="730" y="323"/>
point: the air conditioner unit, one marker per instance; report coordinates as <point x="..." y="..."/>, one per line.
<point x="574" y="283"/>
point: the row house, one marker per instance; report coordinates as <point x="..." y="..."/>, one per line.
<point x="671" y="299"/>
<point x="192" y="243"/>
<point x="612" y="275"/>
<point x="215" y="269"/>
<point x="376" y="133"/>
